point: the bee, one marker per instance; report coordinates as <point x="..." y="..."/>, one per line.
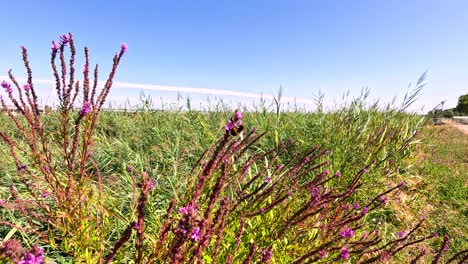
<point x="234" y="126"/>
<point x="235" y="131"/>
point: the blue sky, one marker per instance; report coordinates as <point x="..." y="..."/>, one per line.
<point x="255" y="46"/>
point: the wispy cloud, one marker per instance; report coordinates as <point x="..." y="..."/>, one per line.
<point x="155" y="87"/>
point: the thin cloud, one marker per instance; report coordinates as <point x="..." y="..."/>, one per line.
<point x="155" y="87"/>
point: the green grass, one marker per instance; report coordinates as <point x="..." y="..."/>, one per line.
<point x="168" y="143"/>
<point x="441" y="182"/>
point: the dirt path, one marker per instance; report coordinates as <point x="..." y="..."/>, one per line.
<point x="461" y="127"/>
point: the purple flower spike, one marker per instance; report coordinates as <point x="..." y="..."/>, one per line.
<point x="347" y="233"/>
<point x="344" y="253"/>
<point x="195" y="234"/>
<point x="55" y="47"/>
<point x="85" y="109"/>
<point x="266" y="255"/>
<point x="26" y="87"/>
<point x="124" y="47"/>
<point x="64" y="39"/>
<point x="238" y="115"/>
<point x="7" y="87"/>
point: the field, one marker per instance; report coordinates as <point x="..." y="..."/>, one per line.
<point x="363" y="183"/>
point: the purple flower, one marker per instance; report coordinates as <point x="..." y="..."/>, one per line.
<point x="344" y="253"/>
<point x="123" y="47"/>
<point x="347" y="233"/>
<point x="229" y="126"/>
<point x="356" y="205"/>
<point x="2" y="202"/>
<point x="55" y="47"/>
<point x="27" y="87"/>
<point x="238" y="115"/>
<point x="254" y="130"/>
<point x="85" y="109"/>
<point x="266" y="255"/>
<point x="187" y="210"/>
<point x="35" y="256"/>
<point x="22" y="167"/>
<point x="322" y="254"/>
<point x="337" y="174"/>
<point x="268" y="179"/>
<point x="137" y="226"/>
<point x="7" y="87"/>
<point x="64" y="39"/>
<point x="279" y="167"/>
<point x="383" y="199"/>
<point x="401" y="234"/>
<point x="151" y="185"/>
<point x="195" y="234"/>
<point x="316" y="194"/>
<point x="365" y="210"/>
<point x="45" y="194"/>
<point x="326" y="172"/>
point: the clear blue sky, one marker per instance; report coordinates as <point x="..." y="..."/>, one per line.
<point x="256" y="46"/>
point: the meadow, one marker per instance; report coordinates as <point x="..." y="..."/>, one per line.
<point x="362" y="183"/>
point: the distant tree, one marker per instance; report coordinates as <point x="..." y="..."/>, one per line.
<point x="462" y="106"/>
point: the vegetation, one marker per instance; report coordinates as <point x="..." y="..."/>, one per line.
<point x="182" y="187"/>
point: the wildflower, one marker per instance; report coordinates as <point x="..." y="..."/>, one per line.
<point x="64" y="40"/>
<point x="27" y="87"/>
<point x="268" y="179"/>
<point x="326" y="172"/>
<point x="22" y="167"/>
<point x="7" y="87"/>
<point x="266" y="255"/>
<point x="254" y="130"/>
<point x="47" y="169"/>
<point x="344" y="253"/>
<point x="229" y="125"/>
<point x="195" y="234"/>
<point x="238" y="115"/>
<point x="322" y="254"/>
<point x="337" y="174"/>
<point x="137" y="226"/>
<point x="33" y="257"/>
<point x="365" y="210"/>
<point x="151" y="185"/>
<point x="187" y="210"/>
<point x="383" y="199"/>
<point x="401" y="234"/>
<point x="279" y="167"/>
<point x="2" y="202"/>
<point x="45" y="194"/>
<point x="55" y="47"/>
<point x="85" y="109"/>
<point x="446" y="246"/>
<point x="124" y="47"/>
<point x="356" y="205"/>
<point x="347" y="233"/>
